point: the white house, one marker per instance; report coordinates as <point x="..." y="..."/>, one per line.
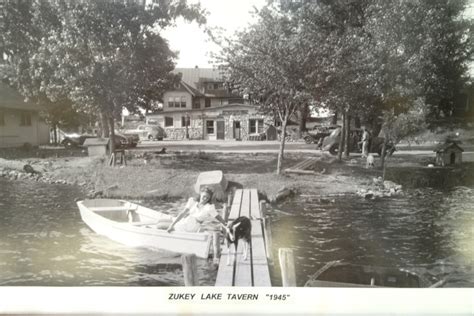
<point x="20" y="122"/>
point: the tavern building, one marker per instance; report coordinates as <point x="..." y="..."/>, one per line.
<point x="201" y="107"/>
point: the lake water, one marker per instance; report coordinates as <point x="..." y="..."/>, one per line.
<point x="44" y="242"/>
<point x="428" y="231"/>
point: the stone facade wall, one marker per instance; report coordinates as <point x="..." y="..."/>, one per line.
<point x="244" y="124"/>
<point x="179" y="133"/>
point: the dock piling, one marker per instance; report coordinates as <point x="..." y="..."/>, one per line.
<point x="267" y="230"/>
<point x="216" y="244"/>
<point x="287" y="265"/>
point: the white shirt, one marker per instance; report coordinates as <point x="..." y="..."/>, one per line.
<point x="197" y="215"/>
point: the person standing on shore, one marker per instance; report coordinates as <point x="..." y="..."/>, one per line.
<point x="365" y="142"/>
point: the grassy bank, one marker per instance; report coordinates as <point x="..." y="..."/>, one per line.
<point x="173" y="175"/>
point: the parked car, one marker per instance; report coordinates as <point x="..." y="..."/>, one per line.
<point x="148" y="132"/>
<point x="331" y="143"/>
<point x="77" y="140"/>
<point x="317" y="134"/>
<point x="132" y="139"/>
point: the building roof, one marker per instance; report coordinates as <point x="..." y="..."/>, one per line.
<point x="449" y="144"/>
<point x="203" y="110"/>
<point x="194" y="80"/>
<point x="11" y="99"/>
<point x="192" y="76"/>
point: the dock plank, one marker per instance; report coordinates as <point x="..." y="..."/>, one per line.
<point x="236" y="204"/>
<point x="254" y="205"/>
<point x="245" y="206"/>
<point x="260" y="265"/>
<point x="224" y="272"/>
<point x="243" y="269"/>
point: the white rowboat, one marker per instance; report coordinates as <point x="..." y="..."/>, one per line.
<point x="133" y="225"/>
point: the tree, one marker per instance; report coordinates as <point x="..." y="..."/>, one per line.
<point x="265" y="63"/>
<point x="101" y="55"/>
<point x="333" y="36"/>
<point x="446" y="58"/>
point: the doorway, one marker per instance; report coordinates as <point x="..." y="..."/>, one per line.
<point x="452" y="158"/>
<point x="237" y="130"/>
<point x="220" y="133"/>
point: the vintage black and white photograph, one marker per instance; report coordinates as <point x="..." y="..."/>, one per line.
<point x="251" y="143"/>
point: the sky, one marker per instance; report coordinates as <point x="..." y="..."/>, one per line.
<point x="193" y="45"/>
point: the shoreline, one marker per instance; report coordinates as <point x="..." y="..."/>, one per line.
<point x="173" y="175"/>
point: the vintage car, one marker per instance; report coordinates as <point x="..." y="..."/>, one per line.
<point x="77" y="140"/>
<point x="318" y="133"/>
<point x="147" y="132"/>
<point x="132" y="139"/>
<point x="331" y="143"/>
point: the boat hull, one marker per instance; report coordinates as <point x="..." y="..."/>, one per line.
<point x="339" y="274"/>
<point x="111" y="218"/>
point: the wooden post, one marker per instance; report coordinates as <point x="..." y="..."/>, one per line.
<point x="267" y="230"/>
<point x="263" y="208"/>
<point x="287" y="265"/>
<point x="189" y="270"/>
<point x="216" y="243"/>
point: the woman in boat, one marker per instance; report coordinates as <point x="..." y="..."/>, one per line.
<point x="194" y="214"/>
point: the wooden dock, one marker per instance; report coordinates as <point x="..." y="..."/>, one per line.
<point x="254" y="271"/>
<point x="302" y="167"/>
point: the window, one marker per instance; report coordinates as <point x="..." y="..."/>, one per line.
<point x="207" y="103"/>
<point x="253" y="126"/>
<point x="197" y="104"/>
<point x="256" y="126"/>
<point x="25" y="119"/>
<point x="185" y="121"/>
<point x="216" y="86"/>
<point x="260" y="128"/>
<point x="210" y="127"/>
<point x="171" y="102"/>
<point x="168" y="121"/>
<point x="2" y="118"/>
<point x="183" y="102"/>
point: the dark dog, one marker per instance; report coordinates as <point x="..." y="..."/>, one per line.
<point x="240" y="228"/>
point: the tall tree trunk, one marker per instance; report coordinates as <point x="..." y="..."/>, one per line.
<point x="334" y="118"/>
<point x="55" y="133"/>
<point x="341" y="137"/>
<point x="282" y="143"/>
<point x="382" y="157"/>
<point x="357" y="123"/>
<point x="347" y="134"/>
<point x="111" y="135"/>
<point x="104" y="124"/>
<point x="302" y="119"/>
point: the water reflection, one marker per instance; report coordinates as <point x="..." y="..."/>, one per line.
<point x="428" y="230"/>
<point x="44" y="242"/>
